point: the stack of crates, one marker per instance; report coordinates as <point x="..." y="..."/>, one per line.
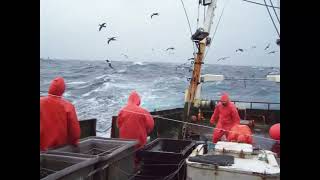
<point x="63" y="167"/>
<point x="164" y="159"/>
<point x="115" y="156"/>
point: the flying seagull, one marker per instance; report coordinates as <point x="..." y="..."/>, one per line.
<point x="111" y="39"/>
<point x="267" y="47"/>
<point x="109" y="63"/>
<point x="241" y="50"/>
<point x="124" y="55"/>
<point x="224" y="58"/>
<point x="183" y="66"/>
<point x="272" y="52"/>
<point x="253" y="47"/>
<point x="170" y="48"/>
<point x="154" y="14"/>
<point x="102" y="26"/>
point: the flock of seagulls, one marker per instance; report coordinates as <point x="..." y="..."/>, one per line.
<point x="184" y="65"/>
<point x="103" y="25"/>
<point x="240" y="50"/>
<point x="113" y="38"/>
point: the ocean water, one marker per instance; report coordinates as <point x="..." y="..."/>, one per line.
<point x="97" y="91"/>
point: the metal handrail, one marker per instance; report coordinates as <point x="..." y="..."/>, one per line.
<point x="254" y="102"/>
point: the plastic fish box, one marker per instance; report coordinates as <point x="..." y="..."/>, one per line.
<point x="62" y="167"/>
<point x="163" y="150"/>
<point x="116" y="156"/>
<point x="161" y="172"/>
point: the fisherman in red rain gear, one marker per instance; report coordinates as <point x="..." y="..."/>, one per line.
<point x="134" y="122"/>
<point x="59" y="124"/>
<point x="227" y="116"/>
<point x="241" y="134"/>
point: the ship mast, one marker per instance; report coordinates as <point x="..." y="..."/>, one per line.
<point x="201" y="44"/>
<point x="200" y="54"/>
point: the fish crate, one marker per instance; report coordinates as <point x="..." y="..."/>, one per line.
<point x="116" y="156"/>
<point x="63" y="167"/>
<point x="161" y="172"/>
<point x="163" y="150"/>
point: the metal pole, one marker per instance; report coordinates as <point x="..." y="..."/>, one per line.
<point x="197" y="65"/>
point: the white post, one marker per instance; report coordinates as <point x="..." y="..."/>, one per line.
<point x="210" y="15"/>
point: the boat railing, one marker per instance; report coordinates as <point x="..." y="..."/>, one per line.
<point x="269" y="104"/>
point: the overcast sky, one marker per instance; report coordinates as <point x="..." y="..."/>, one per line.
<point x="69" y="30"/>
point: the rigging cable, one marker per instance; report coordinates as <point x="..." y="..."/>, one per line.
<point x="274" y="10"/>
<point x="198" y="13"/>
<point x="260" y="4"/>
<point x="185" y="11"/>
<point x="271" y="18"/>
<point x="204" y="14"/>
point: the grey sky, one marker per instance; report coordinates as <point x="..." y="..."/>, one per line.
<point x="69" y="30"/>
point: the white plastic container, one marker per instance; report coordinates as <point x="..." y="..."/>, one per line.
<point x="275" y="78"/>
<point x="262" y="165"/>
<point x="234" y="149"/>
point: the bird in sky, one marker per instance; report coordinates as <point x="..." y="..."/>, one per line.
<point x="267" y="47"/>
<point x="272" y="52"/>
<point x="125" y="55"/>
<point x="109" y="63"/>
<point x="223" y="58"/>
<point x="154" y="14"/>
<point x="170" y="48"/>
<point x="111" y="39"/>
<point x="102" y="26"/>
<point x="241" y="50"/>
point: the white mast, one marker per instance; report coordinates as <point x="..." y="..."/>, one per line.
<point x="202" y="47"/>
<point x="202" y="43"/>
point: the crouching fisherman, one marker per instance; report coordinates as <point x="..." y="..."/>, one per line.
<point x="240" y="134"/>
<point x="227" y="116"/>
